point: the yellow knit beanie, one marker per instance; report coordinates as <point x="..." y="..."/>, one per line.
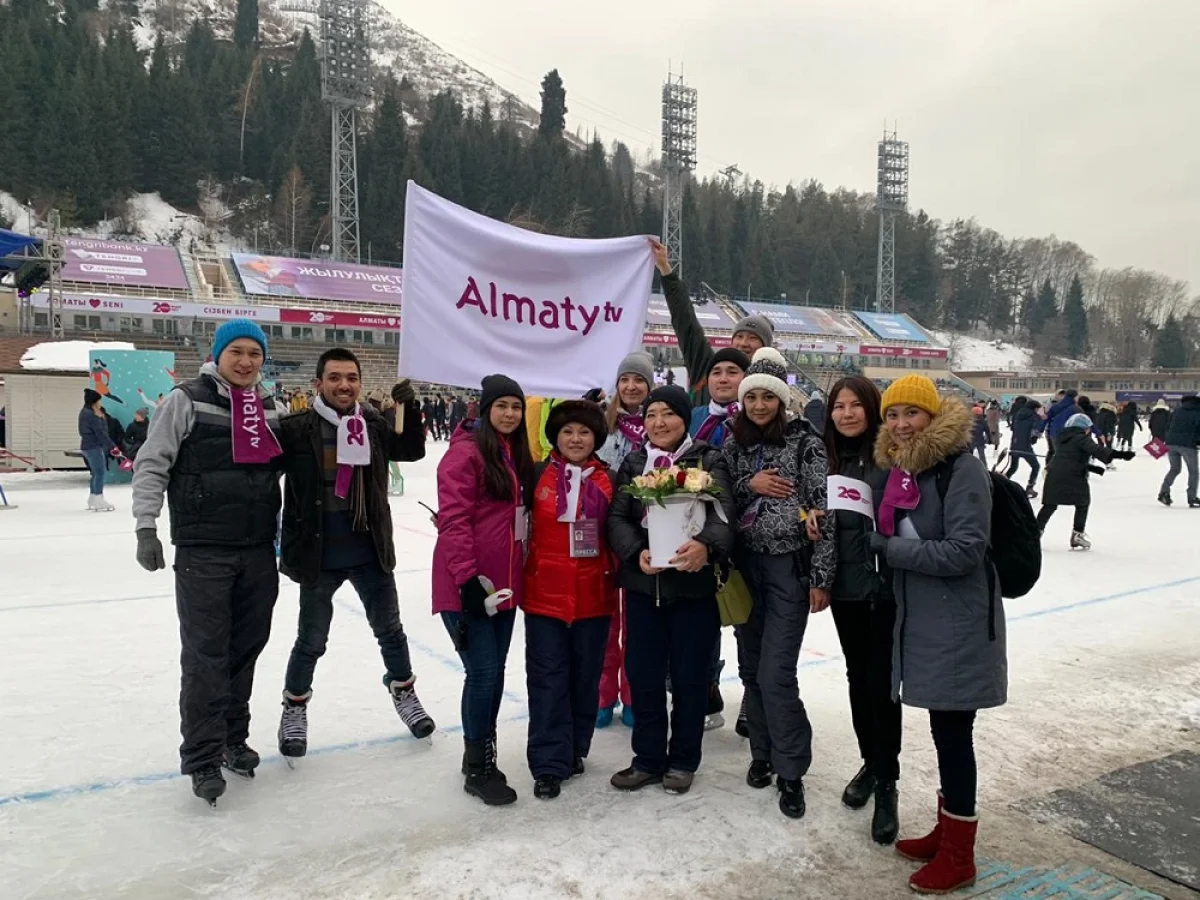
<point x="912" y="390"/>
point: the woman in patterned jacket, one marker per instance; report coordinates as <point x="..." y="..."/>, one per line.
<point x="778" y="470"/>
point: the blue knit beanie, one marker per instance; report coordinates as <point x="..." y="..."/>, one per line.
<point x="232" y="330"/>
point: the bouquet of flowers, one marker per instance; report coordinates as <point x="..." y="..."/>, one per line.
<point x="673" y="481"/>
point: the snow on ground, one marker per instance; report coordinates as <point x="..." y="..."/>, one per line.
<point x="968" y="354"/>
<point x="1102" y="659"/>
<point x="11" y="210"/>
<point x="67" y="356"/>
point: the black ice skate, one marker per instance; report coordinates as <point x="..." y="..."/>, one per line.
<point x="241" y="759"/>
<point x="742" y="729"/>
<point x="293" y="728"/>
<point x="410" y="710"/>
<point x="1164" y="498"/>
<point x="1079" y="541"/>
<point x="208" y="784"/>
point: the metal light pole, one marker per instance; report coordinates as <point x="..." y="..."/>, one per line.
<point x="346" y="86"/>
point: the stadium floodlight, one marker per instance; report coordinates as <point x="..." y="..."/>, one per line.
<point x="891" y="197"/>
<point x="678" y="159"/>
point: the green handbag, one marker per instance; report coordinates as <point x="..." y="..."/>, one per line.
<point x="734" y="599"/>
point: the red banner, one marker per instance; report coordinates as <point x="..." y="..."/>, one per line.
<point x="918" y="352"/>
<point x="659" y="339"/>
<point x="337" y="319"/>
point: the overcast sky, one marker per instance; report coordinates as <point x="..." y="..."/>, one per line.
<point x="1079" y="118"/>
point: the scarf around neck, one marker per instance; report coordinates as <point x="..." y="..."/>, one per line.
<point x="901" y="492"/>
<point x="632" y="427"/>
<point x="577" y="494"/>
<point x="663" y="459"/>
<point x="718" y="414"/>
<point x="254" y="443"/>
<point x="353" y="447"/>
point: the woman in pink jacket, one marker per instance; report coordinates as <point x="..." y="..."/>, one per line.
<point x="484" y="485"/>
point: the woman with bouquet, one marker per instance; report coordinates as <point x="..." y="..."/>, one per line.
<point x="672" y="611"/>
<point x="778" y="469"/>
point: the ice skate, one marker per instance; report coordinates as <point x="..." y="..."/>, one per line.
<point x="410" y="710"/>
<point x="604" y="716"/>
<point x="716" y="706"/>
<point x="208" y="784"/>
<point x="241" y="759"/>
<point x="293" y="728"/>
<point x="1164" y="498"/>
<point x="1079" y="541"/>
<point x="1031" y="492"/>
<point x="1194" y="503"/>
<point x="742" y="729"/>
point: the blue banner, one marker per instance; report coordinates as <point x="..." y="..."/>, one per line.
<point x="129" y="381"/>
<point x="893" y="327"/>
<point x="709" y="313"/>
<point x="800" y="319"/>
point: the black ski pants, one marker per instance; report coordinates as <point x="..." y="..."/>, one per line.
<point x="225" y="597"/>
<point x="1081" y="517"/>
<point x="1015" y="457"/>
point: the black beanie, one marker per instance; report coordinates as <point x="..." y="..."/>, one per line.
<point x="675" y="397"/>
<point x="495" y="387"/>
<point x="730" y="354"/>
<point x="583" y="412"/>
<point x="90" y="397"/>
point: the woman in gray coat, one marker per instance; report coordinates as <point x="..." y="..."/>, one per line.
<point x="950" y="640"/>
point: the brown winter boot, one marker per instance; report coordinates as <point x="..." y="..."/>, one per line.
<point x="924" y="849"/>
<point x="954" y="865"/>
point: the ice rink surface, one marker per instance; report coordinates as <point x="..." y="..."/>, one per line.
<point x="1104" y="667"/>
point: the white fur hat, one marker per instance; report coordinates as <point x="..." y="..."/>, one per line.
<point x="767" y="372"/>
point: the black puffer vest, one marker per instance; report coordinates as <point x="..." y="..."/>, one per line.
<point x="214" y="501"/>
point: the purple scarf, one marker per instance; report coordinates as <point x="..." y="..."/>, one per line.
<point x="717" y="416"/>
<point x="593" y="504"/>
<point x="253" y="441"/>
<point x="901" y="493"/>
<point x="633" y="428"/>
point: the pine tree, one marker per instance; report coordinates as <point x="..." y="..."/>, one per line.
<point x="1076" y="320"/>
<point x="554" y="106"/>
<point x="1171" y="350"/>
<point x="1044" y="311"/>
<point x="245" y="24"/>
<point x="825" y="278"/>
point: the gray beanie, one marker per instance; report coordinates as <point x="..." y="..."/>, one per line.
<point x="638" y="363"/>
<point x="759" y="326"/>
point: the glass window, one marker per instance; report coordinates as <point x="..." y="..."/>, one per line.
<point x="41" y="320"/>
<point x="81" y="323"/>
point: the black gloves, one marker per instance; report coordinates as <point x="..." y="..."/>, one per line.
<point x="403" y="393"/>
<point x="472" y="594"/>
<point x="150" y="550"/>
<point x="1123" y="454"/>
<point x="876" y="544"/>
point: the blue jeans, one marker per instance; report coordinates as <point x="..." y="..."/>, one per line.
<point x="483" y="657"/>
<point x="377" y="591"/>
<point x="95" y="460"/>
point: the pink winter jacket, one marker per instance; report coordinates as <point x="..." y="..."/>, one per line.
<point x="476" y="534"/>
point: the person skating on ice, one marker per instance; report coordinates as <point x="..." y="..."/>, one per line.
<point x="213" y="450"/>
<point x="1027" y="425"/>
<point x="337" y="527"/>
<point x="96" y="446"/>
<point x="1182" y="440"/>
<point x="1067" y="475"/>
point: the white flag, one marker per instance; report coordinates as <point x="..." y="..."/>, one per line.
<point x="851" y="495"/>
<point x="482" y="297"/>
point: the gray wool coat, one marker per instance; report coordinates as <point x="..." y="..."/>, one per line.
<point x="943" y="657"/>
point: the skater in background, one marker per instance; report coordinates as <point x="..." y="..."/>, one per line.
<point x="1063" y="408"/>
<point x="213" y="450"/>
<point x="485" y="485"/>
<point x="1106" y="423"/>
<point x="1128" y="422"/>
<point x="864" y="608"/>
<point x="135" y="434"/>
<point x="980" y="435"/>
<point x="1160" y="416"/>
<point x="1182" y="439"/>
<point x="337" y="527"/>
<point x="814" y="411"/>
<point x="626" y="434"/>
<point x="951" y="657"/>
<point x="992" y="414"/>
<point x="1027" y="425"/>
<point x="1067" y="476"/>
<point x="570" y="596"/>
<point x="673" y="615"/>
<point x="779" y="471"/>
<point x="96" y="446"/>
<point x="116" y="432"/>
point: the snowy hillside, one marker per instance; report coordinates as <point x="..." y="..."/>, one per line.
<point x="969" y="354"/>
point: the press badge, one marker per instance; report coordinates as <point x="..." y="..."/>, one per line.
<point x="521" y="525"/>
<point x="585" y="539"/>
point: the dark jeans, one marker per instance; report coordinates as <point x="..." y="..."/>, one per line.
<point x="483" y="660"/>
<point x="769" y="652"/>
<point x="981" y="451"/>
<point x="224" y="597"/>
<point x="562" y="672"/>
<point x="676" y="639"/>
<point x="953" y="738"/>
<point x="1030" y="457"/>
<point x="377" y="591"/>
<point x="95" y="460"/>
<point x="1081" y="514"/>
<point x="865" y="629"/>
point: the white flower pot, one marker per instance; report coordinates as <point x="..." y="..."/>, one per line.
<point x="668" y="528"/>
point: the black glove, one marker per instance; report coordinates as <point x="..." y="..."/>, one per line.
<point x="1096" y="470"/>
<point x="1124" y="454"/>
<point x="876" y="544"/>
<point x="150" y="550"/>
<point x="403" y="393"/>
<point x="472" y="594"/>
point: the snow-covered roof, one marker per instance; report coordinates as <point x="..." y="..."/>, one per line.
<point x="66" y="356"/>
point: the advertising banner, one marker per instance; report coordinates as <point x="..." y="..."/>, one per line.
<point x="659" y="339"/>
<point x="129" y="380"/>
<point x="336" y="319"/>
<point x="800" y="319"/>
<point x="918" y="352"/>
<point x="481" y="296"/>
<point x="709" y="314"/>
<point x="153" y="306"/>
<point x="833" y="348"/>
<point x="114" y="262"/>
<point x="893" y="327"/>
<point x="320" y="279"/>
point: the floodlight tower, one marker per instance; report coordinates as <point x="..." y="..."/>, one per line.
<point x="891" y="197"/>
<point x="678" y="158"/>
<point x="346" y="86"/>
<point x="54" y="251"/>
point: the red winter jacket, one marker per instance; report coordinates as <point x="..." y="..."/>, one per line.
<point x="555" y="584"/>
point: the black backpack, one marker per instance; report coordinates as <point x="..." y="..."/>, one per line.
<point x="1015" y="547"/>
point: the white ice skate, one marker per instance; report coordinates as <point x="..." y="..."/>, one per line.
<point x="97" y="503"/>
<point x="1079" y="541"/>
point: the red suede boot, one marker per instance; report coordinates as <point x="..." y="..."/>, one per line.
<point x="925" y="848"/>
<point x="954" y="865"/>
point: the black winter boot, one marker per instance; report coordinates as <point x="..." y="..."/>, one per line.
<point x="885" y="824"/>
<point x="491" y="742"/>
<point x="482" y="780"/>
<point x="860" y="788"/>
<point x="791" y="798"/>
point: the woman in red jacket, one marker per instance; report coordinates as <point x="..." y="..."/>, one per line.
<point x="570" y="596"/>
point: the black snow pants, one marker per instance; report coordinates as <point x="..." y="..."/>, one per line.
<point x="225" y="597"/>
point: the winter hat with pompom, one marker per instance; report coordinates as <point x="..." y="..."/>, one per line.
<point x="767" y="372"/>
